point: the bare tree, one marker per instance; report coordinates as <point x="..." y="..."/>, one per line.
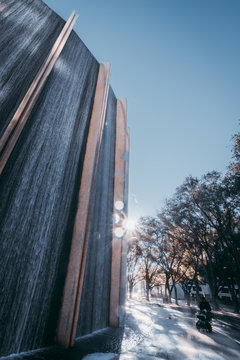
<point x="148" y="237"/>
<point x="134" y="253"/>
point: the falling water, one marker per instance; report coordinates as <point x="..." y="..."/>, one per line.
<point x="95" y="301"/>
<point x="27" y="34"/>
<point x="39" y="185"/>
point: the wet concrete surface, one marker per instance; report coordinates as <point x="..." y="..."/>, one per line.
<point x="151" y="331"/>
<point x="40" y="183"/>
<point x="107" y="341"/>
<point x="155" y="331"/>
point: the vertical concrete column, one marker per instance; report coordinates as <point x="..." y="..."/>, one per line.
<point x="123" y="289"/>
<point x="74" y="280"/>
<point x="120" y="207"/>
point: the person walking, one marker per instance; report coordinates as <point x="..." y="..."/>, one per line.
<point x="204" y="304"/>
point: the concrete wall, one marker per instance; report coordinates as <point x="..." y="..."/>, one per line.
<point x="95" y="302"/>
<point x="28" y="31"/>
<point x="40" y="182"/>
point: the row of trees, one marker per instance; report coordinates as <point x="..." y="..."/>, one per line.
<point x="195" y="239"/>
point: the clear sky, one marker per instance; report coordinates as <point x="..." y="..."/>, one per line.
<point x="177" y="62"/>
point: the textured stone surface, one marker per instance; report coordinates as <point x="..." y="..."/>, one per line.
<point x="40" y="182"/>
<point x="95" y="304"/>
<point x="28" y="31"/>
<point x="154" y="331"/>
<point x="105" y="341"/>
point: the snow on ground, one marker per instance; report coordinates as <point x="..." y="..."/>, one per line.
<point x="101" y="356"/>
<point x="162" y="332"/>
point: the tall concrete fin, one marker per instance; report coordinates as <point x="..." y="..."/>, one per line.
<point x="119" y="207"/>
<point x="75" y="274"/>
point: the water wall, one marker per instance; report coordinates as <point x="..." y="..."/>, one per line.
<point x="94" y="307"/>
<point x="28" y="31"/>
<point x="40" y="181"/>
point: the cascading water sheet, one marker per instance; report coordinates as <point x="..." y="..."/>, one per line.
<point x="38" y="193"/>
<point x="95" y="302"/>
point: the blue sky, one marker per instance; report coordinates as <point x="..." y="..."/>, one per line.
<point x="177" y="64"/>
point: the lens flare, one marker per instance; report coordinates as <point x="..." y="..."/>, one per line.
<point x="119" y="205"/>
<point x="129" y="224"/>
<point x="119" y="232"/>
<point x="116" y="219"/>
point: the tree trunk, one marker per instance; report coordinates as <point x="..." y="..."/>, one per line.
<point x="175" y="291"/>
<point x="197" y="291"/>
<point x="170" y="294"/>
<point x="130" y="289"/>
<point x="147" y="291"/>
<point x="187" y="297"/>
<point x="236" y="276"/>
<point x="147" y="279"/>
<point x="167" y="289"/>
<point x="176" y="296"/>
<point x="234" y="297"/>
<point x="213" y="285"/>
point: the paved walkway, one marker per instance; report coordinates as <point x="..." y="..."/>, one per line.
<point x="151" y="331"/>
<point x="165" y="332"/>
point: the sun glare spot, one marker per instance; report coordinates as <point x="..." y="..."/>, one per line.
<point x="129" y="224"/>
<point x="119" y="232"/>
<point x="119" y="205"/>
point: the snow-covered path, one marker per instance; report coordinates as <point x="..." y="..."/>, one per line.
<point x="161" y="332"/>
